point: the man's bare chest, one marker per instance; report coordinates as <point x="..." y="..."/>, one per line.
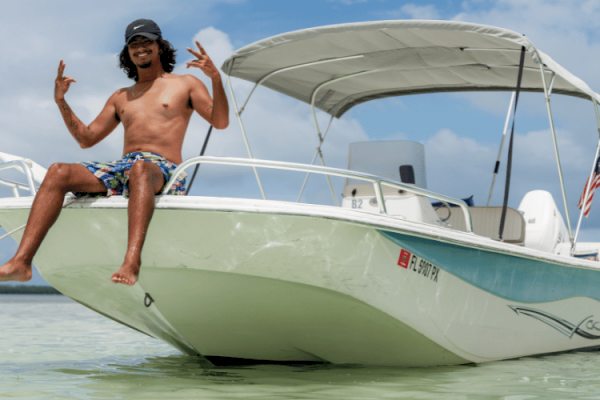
<point x="163" y="100"/>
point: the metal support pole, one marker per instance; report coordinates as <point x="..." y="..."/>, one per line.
<point x="27" y="171"/>
<point x="258" y="83"/>
<point x="552" y="129"/>
<point x="312" y="107"/>
<point x="317" y="152"/>
<point x="589" y="184"/>
<point x="380" y="199"/>
<point x="239" y="118"/>
<point x="15" y="186"/>
<point x="335" y="200"/>
<point x="510" y="106"/>
<point x="20" y="164"/>
<point x="270" y="74"/>
<point x="321" y="137"/>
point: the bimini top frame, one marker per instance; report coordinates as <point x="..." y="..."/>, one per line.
<point x="410" y="57"/>
<point x="333" y="68"/>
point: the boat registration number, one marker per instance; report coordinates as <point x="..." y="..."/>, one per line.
<point x="416" y="264"/>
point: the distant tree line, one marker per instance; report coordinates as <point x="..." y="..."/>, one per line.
<point x="27" y="289"/>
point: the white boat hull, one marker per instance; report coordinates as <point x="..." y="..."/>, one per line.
<point x="291" y="282"/>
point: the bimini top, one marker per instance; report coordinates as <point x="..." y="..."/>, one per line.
<point x="345" y="65"/>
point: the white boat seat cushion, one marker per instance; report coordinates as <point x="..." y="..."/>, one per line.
<point x="486" y="222"/>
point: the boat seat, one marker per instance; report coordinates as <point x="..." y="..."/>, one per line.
<point x="486" y="222"/>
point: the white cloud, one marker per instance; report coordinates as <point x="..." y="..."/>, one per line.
<point x="461" y="167"/>
<point x="420" y="12"/>
<point x="565" y="30"/>
<point x="215" y="42"/>
<point x="458" y="166"/>
<point x="76" y="55"/>
<point x="414" y="11"/>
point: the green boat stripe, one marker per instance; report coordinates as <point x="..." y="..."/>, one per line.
<point x="504" y="275"/>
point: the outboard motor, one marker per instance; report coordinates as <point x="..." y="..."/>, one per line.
<point x="398" y="160"/>
<point x="545" y="227"/>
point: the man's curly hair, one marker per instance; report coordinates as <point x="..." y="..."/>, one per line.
<point x="167" y="59"/>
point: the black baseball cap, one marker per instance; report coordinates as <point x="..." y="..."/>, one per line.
<point x="142" y="27"/>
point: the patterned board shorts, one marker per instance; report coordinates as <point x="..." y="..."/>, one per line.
<point x="115" y="175"/>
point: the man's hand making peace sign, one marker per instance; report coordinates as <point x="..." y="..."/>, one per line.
<point x="203" y="62"/>
<point x="62" y="83"/>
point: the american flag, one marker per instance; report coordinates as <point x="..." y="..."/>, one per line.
<point x="593" y="186"/>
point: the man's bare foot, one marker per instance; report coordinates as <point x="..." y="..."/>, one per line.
<point x="127" y="274"/>
<point x="15" y="271"/>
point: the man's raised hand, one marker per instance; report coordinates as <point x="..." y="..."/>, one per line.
<point x="62" y="83"/>
<point x="203" y="62"/>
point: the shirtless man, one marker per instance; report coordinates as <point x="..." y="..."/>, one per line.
<point x="155" y="113"/>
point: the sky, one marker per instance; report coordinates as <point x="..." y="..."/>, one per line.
<point x="461" y="133"/>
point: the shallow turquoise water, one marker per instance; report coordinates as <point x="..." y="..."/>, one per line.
<point x="52" y="347"/>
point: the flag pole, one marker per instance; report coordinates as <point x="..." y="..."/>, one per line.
<point x="589" y="182"/>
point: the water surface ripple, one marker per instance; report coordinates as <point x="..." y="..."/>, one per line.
<point x="52" y="347"/>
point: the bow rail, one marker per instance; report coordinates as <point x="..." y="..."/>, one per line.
<point x="26" y="169"/>
<point x="375" y="180"/>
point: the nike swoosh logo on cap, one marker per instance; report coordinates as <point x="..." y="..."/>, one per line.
<point x="139" y="26"/>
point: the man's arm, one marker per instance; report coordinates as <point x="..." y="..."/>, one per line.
<point x="86" y="136"/>
<point x="216" y="110"/>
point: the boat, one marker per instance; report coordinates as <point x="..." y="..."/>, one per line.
<point x="387" y="277"/>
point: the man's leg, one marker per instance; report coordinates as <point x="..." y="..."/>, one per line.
<point x="60" y="179"/>
<point x="145" y="180"/>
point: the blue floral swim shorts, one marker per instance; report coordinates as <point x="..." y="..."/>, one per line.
<point x="115" y="175"/>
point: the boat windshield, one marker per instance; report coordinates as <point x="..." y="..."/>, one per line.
<point x="394" y="160"/>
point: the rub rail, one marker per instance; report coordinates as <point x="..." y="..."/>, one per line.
<point x="18" y="164"/>
<point x="375" y="180"/>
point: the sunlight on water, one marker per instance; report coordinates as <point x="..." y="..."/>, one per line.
<point x="52" y="347"/>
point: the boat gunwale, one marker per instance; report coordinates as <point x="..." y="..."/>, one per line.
<point x="355" y="217"/>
